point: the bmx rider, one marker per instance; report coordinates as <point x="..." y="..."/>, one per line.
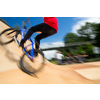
<point x="48" y="28"/>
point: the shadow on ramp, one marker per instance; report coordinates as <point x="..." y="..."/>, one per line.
<point x="27" y="71"/>
<point x="18" y="60"/>
<point x="12" y="56"/>
<point x="6" y="37"/>
<point x="30" y="67"/>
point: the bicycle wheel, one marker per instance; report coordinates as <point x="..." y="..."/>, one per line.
<point x="30" y="67"/>
<point x="7" y="35"/>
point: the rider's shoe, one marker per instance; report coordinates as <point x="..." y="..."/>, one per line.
<point x="21" y="43"/>
<point x="36" y="44"/>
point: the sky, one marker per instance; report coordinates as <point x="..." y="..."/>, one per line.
<point x="65" y="25"/>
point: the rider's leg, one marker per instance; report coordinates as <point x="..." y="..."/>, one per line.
<point x="28" y="35"/>
<point x="43" y="35"/>
<point x="40" y="27"/>
<point x="44" y="28"/>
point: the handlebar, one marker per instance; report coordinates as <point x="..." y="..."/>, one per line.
<point x="26" y="22"/>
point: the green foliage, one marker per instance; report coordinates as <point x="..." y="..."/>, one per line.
<point x="80" y="49"/>
<point x="98" y="35"/>
<point x="74" y="52"/>
<point x="54" y="62"/>
<point x="93" y="59"/>
<point x="89" y="49"/>
<point x="17" y="27"/>
<point x="88" y="30"/>
<point x="70" y="38"/>
<point x="53" y="59"/>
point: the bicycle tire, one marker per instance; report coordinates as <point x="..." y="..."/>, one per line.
<point x="31" y="70"/>
<point x="7" y="33"/>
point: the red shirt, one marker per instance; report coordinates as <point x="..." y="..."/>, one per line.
<point x="51" y="21"/>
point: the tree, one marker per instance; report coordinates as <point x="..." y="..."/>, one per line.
<point x="70" y="38"/>
<point x="78" y="51"/>
<point x="88" y="31"/>
<point x="89" y="49"/>
<point x="98" y="35"/>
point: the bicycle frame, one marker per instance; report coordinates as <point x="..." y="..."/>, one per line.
<point x="32" y="50"/>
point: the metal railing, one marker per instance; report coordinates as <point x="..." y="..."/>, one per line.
<point x="67" y="45"/>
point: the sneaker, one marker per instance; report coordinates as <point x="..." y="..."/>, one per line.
<point x="36" y="44"/>
<point x="21" y="43"/>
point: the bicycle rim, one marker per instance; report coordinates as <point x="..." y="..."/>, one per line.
<point x="30" y="67"/>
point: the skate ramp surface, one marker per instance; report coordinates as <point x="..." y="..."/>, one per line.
<point x="10" y="73"/>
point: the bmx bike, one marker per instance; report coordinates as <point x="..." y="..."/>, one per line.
<point x="29" y="62"/>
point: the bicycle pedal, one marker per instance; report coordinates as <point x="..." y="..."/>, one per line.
<point x="17" y="41"/>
